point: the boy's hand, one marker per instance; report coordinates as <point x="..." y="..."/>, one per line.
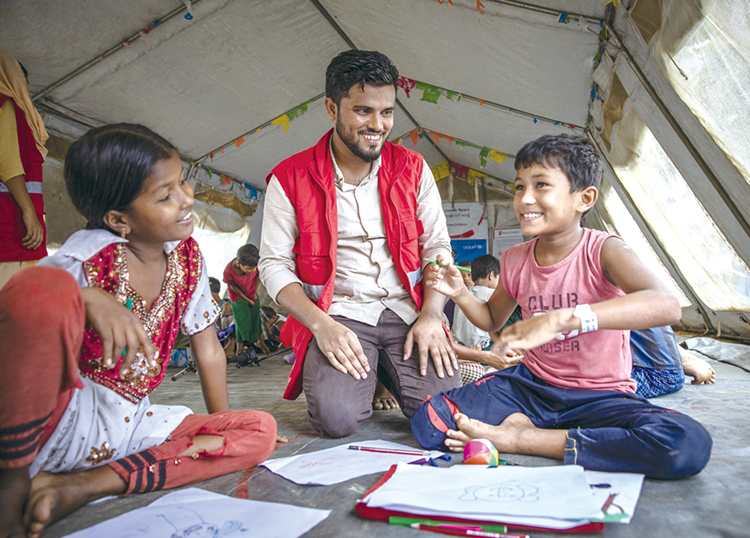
<point x="445" y="279"/>
<point x="530" y="333"/>
<point x="118" y="328"/>
<point x="500" y="362"/>
<point x="341" y="347"/>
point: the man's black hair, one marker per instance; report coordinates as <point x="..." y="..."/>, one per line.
<point x="574" y="156"/>
<point x="25" y="73"/>
<point x="214" y="284"/>
<point x="248" y="255"/>
<point x="107" y="167"/>
<point x="483" y="266"/>
<point x="358" y="67"/>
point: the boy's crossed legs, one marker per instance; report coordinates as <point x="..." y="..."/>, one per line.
<point x="599" y="430"/>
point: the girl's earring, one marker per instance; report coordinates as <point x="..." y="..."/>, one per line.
<point x="123" y="233"/>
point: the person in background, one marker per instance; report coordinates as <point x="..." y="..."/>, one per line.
<point x="23" y="234"/>
<point x="241" y="276"/>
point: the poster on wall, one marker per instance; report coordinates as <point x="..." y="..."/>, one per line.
<point x="504" y="238"/>
<point x="467" y="229"/>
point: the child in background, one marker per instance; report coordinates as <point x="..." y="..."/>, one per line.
<point x="485" y="274"/>
<point x="241" y="275"/>
<point x="114" y="298"/>
<point x="580" y="291"/>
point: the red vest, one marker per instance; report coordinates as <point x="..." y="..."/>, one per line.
<point x="308" y="181"/>
<point x="12" y="228"/>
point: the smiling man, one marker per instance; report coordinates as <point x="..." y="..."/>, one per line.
<point x="346" y="225"/>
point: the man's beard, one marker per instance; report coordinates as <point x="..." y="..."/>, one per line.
<point x="367" y="156"/>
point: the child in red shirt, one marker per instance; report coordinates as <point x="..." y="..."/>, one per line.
<point x="241" y="276"/>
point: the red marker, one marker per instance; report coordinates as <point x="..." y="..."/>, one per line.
<point x="389" y="450"/>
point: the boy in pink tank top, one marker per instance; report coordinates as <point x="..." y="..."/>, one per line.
<point x="581" y="292"/>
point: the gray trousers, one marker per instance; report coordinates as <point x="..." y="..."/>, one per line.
<point x="337" y="403"/>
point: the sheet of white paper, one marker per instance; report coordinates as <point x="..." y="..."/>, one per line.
<point x="339" y="464"/>
<point x="616" y="493"/>
<point x="196" y="513"/>
<point x="560" y="492"/>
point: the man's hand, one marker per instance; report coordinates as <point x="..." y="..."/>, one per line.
<point x="341" y="347"/>
<point x="118" y="328"/>
<point x="34" y="231"/>
<point x="430" y="337"/>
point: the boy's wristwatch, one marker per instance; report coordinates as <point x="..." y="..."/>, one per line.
<point x="589" y="322"/>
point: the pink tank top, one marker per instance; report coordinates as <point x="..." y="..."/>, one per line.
<point x="598" y="360"/>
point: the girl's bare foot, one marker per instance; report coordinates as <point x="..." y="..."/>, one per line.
<point x="698" y="369"/>
<point x="54" y="496"/>
<point x="383" y="399"/>
<point x="14" y="490"/>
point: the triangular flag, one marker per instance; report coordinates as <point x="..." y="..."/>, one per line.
<point x="239" y="141"/>
<point x="414" y="135"/>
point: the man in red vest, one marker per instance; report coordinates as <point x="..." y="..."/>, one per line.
<point x="346" y="225"/>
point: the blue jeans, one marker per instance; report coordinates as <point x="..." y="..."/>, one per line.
<point x="607" y="430"/>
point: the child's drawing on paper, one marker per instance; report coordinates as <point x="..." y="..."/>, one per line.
<point x="505" y="492"/>
<point x="194" y="526"/>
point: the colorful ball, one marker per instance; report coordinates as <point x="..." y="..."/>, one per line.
<point x="480" y="452"/>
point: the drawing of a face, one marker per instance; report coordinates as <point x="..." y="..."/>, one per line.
<point x="505" y="492"/>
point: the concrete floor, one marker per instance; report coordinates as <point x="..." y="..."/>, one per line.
<point x="716" y="502"/>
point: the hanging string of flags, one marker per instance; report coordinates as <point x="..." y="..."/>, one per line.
<point x="465" y="173"/>
<point x="484" y="151"/>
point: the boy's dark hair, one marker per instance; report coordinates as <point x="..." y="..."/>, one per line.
<point x="107" y="167"/>
<point x="248" y="255"/>
<point x="214" y="284"/>
<point x="465" y="263"/>
<point x="358" y="67"/>
<point x="268" y="311"/>
<point x="482" y="266"/>
<point x="574" y="156"/>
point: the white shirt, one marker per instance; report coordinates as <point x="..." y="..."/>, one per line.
<point x="462" y="329"/>
<point x="366" y="278"/>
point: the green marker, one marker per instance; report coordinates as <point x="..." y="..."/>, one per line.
<point x="129" y="306"/>
<point x="464" y="269"/>
<point x="406" y="521"/>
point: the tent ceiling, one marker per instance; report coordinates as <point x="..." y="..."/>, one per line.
<point x="238" y="65"/>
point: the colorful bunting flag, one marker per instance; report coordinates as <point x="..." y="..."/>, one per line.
<point x="239" y="141"/>
<point x="221" y="150"/>
<point x="414" y="135"/>
<point x="496" y="156"/>
<point x="564" y="18"/>
<point x="450" y="95"/>
<point x="465" y="144"/>
<point x="211" y="155"/>
<point x="297" y="112"/>
<point x="441" y="171"/>
<point x="251" y="192"/>
<point x="482" y="101"/>
<point x="473" y="175"/>
<point x="480" y="7"/>
<point x="406" y="84"/>
<point x="282" y="121"/>
<point x="437" y="136"/>
<point x="208" y="171"/>
<point x="225" y="180"/>
<point x="459" y="171"/>
<point x="483" y="153"/>
<point x="430" y="93"/>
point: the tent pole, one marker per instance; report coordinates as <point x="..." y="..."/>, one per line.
<point x="651" y="237"/>
<point x="547" y="11"/>
<point x="702" y="164"/>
